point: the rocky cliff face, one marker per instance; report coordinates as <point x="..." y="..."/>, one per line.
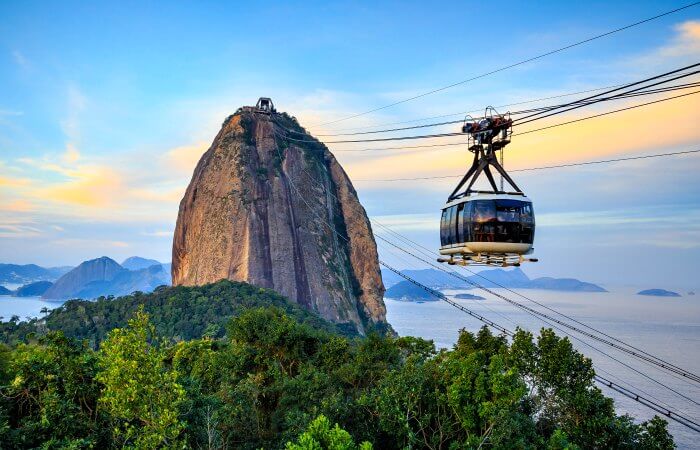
<point x="70" y="284"/>
<point x="279" y="214"/>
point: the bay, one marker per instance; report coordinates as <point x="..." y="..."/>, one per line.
<point x="24" y="307"/>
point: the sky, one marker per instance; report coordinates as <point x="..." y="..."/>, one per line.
<point x="106" y="107"/>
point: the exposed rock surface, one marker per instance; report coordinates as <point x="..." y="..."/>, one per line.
<point x="70" y="284"/>
<point x="260" y="208"/>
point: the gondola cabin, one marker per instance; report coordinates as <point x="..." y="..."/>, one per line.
<point x="484" y="227"/>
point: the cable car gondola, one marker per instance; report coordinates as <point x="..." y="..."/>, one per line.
<point x="487" y="227"/>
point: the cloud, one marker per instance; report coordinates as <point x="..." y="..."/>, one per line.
<point x="159" y="233"/>
<point x="90" y="186"/>
<point x="627" y="132"/>
<point x="20" y="59"/>
<point x="184" y="158"/>
<point x="18" y="206"/>
<point x="72" y="155"/>
<point x="13" y="182"/>
<point x="685" y="43"/>
<point x="90" y="243"/>
<point x="15" y="231"/>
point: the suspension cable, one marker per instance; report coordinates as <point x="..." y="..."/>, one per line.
<point x="681" y="419"/>
<point x="326" y="222"/>
<point x="519" y="63"/>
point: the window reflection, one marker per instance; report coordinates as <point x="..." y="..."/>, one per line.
<point x="502" y="220"/>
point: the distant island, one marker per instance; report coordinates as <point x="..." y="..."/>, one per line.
<point x="495" y="278"/>
<point x="658" y="293"/>
<point x="406" y="291"/>
<point x="5" y="291"/>
<point x="465" y="296"/>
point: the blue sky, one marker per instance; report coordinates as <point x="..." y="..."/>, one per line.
<point x="106" y="107"/>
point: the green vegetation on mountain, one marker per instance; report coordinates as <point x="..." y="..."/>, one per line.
<point x="178" y="313"/>
<point x="278" y="378"/>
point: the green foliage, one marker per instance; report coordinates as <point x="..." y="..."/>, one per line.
<point x="140" y="395"/>
<point x="50" y="395"/>
<point x="277" y="380"/>
<point x="178" y="313"/>
<point x="320" y="436"/>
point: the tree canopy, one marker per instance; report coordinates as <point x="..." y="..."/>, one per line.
<point x="273" y="379"/>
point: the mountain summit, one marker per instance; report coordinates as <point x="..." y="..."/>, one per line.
<point x="280" y="214"/>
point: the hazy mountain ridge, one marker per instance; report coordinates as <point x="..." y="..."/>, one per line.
<point x="28" y="273"/>
<point x="492" y="278"/>
<point x="103" y="277"/>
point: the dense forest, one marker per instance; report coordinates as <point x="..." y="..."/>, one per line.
<point x="278" y="377"/>
<point x="178" y="313"/>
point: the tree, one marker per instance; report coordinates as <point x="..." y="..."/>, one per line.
<point x="140" y="394"/>
<point x="320" y="436"/>
<point x="50" y="395"/>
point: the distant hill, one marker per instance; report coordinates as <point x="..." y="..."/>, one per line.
<point x="658" y="293"/>
<point x="5" y="291"/>
<point x="409" y="292"/>
<point x="493" y="278"/>
<point x="95" y="270"/>
<point x="138" y="263"/>
<point x="464" y="296"/>
<point x="105" y="277"/>
<point x="125" y="282"/>
<point x="564" y="284"/>
<point x="430" y="277"/>
<point x="179" y="313"/>
<point x="35" y="289"/>
<point x="28" y="273"/>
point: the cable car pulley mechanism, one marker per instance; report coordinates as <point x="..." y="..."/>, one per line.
<point x="493" y="226"/>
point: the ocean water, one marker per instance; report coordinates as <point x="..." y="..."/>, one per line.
<point x="24" y="307"/>
<point x="668" y="328"/>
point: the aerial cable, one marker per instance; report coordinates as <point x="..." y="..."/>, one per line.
<point x="440" y="135"/>
<point x="575" y="105"/>
<point x="519" y="63"/>
<point x="685" y="421"/>
<point x="477" y="111"/>
<point x="607" y="113"/>
<point x="422" y="249"/>
<point x="405" y="261"/>
<point x="485" y="320"/>
<point x="557" y="166"/>
<point x="490" y="291"/>
<point x="540" y="110"/>
<point x="503" y="330"/>
<point x="635" y="352"/>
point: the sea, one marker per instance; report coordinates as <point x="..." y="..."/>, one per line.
<point x="665" y="327"/>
